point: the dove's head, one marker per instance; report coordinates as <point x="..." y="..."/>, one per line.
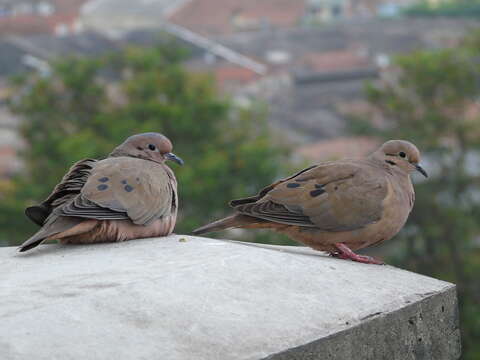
<point x="400" y="154"/>
<point x="148" y="146"/>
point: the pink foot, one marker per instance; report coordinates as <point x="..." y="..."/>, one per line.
<point x="346" y="253"/>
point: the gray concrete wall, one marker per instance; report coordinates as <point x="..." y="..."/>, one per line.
<point x="196" y="298"/>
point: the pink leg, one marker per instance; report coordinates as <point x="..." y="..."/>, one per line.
<point x="346" y="253"/>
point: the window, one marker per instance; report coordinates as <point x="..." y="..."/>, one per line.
<point x="45" y="8"/>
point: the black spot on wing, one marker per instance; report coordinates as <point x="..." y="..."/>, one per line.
<point x="318" y="186"/>
<point x="102" y="187"/>
<point x="103" y="179"/>
<point x="293" y="185"/>
<point x="317" y="192"/>
<point x="124" y="182"/>
<point x="128" y="188"/>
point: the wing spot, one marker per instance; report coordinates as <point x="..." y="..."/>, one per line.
<point x="318" y="186"/>
<point x="128" y="188"/>
<point x="124" y="182"/>
<point x="102" y="187"/>
<point x="103" y="179"/>
<point x="316" y="193"/>
<point x="293" y="185"/>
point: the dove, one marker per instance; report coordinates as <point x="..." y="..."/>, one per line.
<point x="130" y="194"/>
<point x="337" y="206"/>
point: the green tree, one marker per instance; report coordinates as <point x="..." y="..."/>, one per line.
<point x="448" y="8"/>
<point x="88" y="106"/>
<point x="432" y="100"/>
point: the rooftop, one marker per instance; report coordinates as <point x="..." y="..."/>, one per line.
<point x="211" y="17"/>
<point x="22" y="17"/>
<point x="338" y="148"/>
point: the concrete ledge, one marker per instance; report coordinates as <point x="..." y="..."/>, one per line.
<point x="195" y="298"/>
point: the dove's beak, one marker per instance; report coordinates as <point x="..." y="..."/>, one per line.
<point x="421" y="170"/>
<point x="173" y="157"/>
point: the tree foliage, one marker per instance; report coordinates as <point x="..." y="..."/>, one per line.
<point x="446" y="8"/>
<point x="88" y="106"/>
<point x="433" y="101"/>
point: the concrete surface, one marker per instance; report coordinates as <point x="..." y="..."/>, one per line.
<point x="201" y="299"/>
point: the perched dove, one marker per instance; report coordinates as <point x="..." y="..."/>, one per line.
<point x="337" y="206"/>
<point x="131" y="194"/>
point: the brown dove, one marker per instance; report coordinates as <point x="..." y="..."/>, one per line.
<point x="339" y="206"/>
<point x="131" y="194"/>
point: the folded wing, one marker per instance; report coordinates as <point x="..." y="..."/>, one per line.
<point x="330" y="197"/>
<point x="124" y="188"/>
<point x="70" y="186"/>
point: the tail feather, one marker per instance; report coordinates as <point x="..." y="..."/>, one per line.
<point x="232" y="221"/>
<point x="52" y="227"/>
<point x="37" y="213"/>
<point x="35" y="240"/>
<point x="218" y="225"/>
<point x="30" y="244"/>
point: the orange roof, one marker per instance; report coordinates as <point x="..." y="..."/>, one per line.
<point x="227" y="16"/>
<point x="31" y="24"/>
<point x="232" y="76"/>
<point x="335" y="60"/>
<point x="339" y="148"/>
<point x="66" y="12"/>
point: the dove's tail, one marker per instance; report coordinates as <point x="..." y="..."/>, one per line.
<point x="33" y="241"/>
<point x="232" y="221"/>
<point x="36" y="239"/>
<point x="51" y="228"/>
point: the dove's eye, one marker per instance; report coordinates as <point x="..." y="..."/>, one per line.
<point x="402" y="154"/>
<point x="151" y="147"/>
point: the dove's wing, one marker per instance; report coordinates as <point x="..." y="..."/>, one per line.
<point x="70" y="186"/>
<point x="336" y="196"/>
<point x="125" y="188"/>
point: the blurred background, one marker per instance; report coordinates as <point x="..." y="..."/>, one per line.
<point x="250" y="91"/>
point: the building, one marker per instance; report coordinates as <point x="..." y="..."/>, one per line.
<point x="221" y="17"/>
<point x="338" y="148"/>
<point x="312" y="78"/>
<point x="27" y="17"/>
<point x="113" y="16"/>
<point x="33" y="53"/>
<point x="213" y="17"/>
<point x="316" y="75"/>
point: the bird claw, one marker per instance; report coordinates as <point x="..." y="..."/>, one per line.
<point x="347" y="254"/>
<point x="367" y="260"/>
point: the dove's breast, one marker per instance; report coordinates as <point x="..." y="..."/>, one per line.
<point x="396" y="207"/>
<point x="118" y="230"/>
